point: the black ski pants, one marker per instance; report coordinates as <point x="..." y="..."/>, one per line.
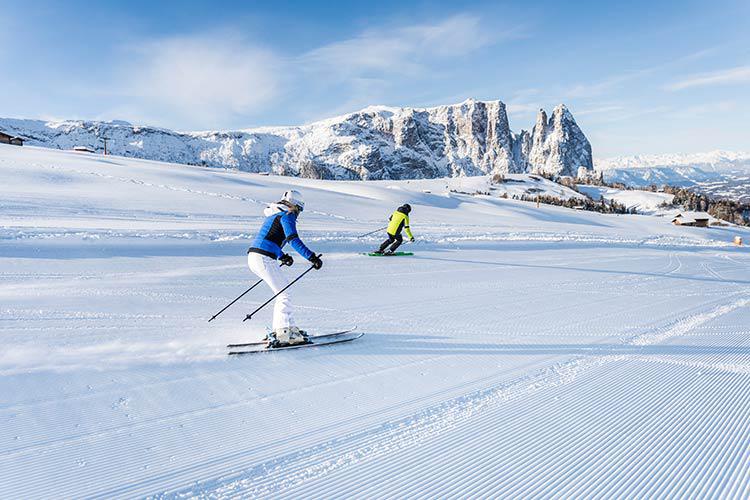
<point x="394" y="240"/>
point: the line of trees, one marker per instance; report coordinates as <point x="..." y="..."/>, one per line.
<point x="727" y="210"/>
<point x="602" y="206"/>
<point x="690" y="200"/>
<point x="684" y="198"/>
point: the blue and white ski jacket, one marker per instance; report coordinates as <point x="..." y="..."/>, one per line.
<point x="279" y="228"/>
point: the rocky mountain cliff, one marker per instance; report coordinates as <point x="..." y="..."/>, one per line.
<point x="470" y="138"/>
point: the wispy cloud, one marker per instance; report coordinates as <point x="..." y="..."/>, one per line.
<point x="403" y="50"/>
<point x="717" y="107"/>
<point x="6" y="35"/>
<point x="625" y="114"/>
<point x="202" y="78"/>
<point x="603" y="86"/>
<point x="524" y="102"/>
<point x="599" y="110"/>
<point x="211" y="79"/>
<point x="617" y="81"/>
<point x="740" y="74"/>
<point x="699" y="54"/>
<point x="521" y="109"/>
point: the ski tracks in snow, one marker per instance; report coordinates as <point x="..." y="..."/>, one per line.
<point x="274" y="476"/>
<point x="685" y="325"/>
<point x="288" y="474"/>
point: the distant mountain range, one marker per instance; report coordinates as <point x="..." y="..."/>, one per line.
<point x="470" y="138"/>
<point x="722" y="174"/>
<point x="378" y="142"/>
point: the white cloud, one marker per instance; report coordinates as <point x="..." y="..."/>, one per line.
<point x="521" y="108"/>
<point x="740" y="74"/>
<point x="6" y="38"/>
<point x="715" y="108"/>
<point x="630" y="113"/>
<point x="202" y="79"/>
<point x="700" y="54"/>
<point x="618" y="81"/>
<point x="402" y="50"/>
<point x="598" y="88"/>
<point x="210" y="80"/>
<point x="599" y="110"/>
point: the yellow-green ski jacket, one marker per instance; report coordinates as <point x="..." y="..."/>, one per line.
<point x="398" y="221"/>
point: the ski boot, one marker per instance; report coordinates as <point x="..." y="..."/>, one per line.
<point x="282" y="337"/>
<point x="297" y="336"/>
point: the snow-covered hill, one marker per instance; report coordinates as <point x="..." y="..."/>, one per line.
<point x="520" y="352"/>
<point x="512" y="185"/>
<point x="721" y="174"/>
<point x="467" y="139"/>
<point x="644" y="202"/>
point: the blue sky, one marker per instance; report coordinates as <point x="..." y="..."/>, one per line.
<point x="640" y="77"/>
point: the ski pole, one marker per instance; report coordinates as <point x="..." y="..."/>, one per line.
<point x="371" y="232"/>
<point x="235" y="300"/>
<point x="249" y="316"/>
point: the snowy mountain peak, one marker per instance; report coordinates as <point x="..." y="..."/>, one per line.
<point x="377" y="142"/>
<point x="562" y="109"/>
<point x="556" y="144"/>
<point x="718" y="159"/>
<point x="720" y="174"/>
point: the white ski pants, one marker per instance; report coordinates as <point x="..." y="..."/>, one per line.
<point x="269" y="271"/>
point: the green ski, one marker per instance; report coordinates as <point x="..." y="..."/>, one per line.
<point x="394" y="254"/>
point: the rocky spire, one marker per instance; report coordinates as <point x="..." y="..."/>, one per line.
<point x="558" y="146"/>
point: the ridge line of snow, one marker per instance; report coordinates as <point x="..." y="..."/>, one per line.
<point x="685" y="325"/>
<point x="670" y="159"/>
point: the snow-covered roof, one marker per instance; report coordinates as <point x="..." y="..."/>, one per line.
<point x="689" y="217"/>
<point x="693" y="215"/>
<point x="11" y="136"/>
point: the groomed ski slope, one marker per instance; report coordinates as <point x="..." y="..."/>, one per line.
<point x="521" y="352"/>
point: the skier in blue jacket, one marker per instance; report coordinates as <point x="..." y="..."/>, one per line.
<point x="280" y="228"/>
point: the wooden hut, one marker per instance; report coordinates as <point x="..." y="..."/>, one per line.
<point x="696" y="219"/>
<point x="10" y="139"/>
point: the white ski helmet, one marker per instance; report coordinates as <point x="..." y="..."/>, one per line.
<point x="294" y="198"/>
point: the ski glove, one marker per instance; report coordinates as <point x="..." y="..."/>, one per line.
<point x="316" y="262"/>
<point x="286" y="260"/>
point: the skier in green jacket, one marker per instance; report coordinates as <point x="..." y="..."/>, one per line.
<point x="399" y="220"/>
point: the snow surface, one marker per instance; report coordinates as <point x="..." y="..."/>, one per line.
<point x="521" y="352"/>
<point x="645" y="202"/>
